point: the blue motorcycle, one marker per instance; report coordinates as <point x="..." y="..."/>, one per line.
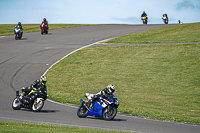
<point x="104" y="107"/>
<point x="18" y="33"/>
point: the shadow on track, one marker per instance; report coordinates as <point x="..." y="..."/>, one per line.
<point x="100" y="118"/>
<point x="42" y="111"/>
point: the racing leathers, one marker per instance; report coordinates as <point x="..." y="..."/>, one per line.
<point x="31" y="90"/>
<point x="46" y="24"/>
<point x="165" y="15"/>
<point x="104" y="93"/>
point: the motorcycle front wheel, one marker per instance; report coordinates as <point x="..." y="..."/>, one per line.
<point x="38" y="104"/>
<point x="82" y="111"/>
<point x="16" y="105"/>
<point x="109" y="114"/>
<point x="16" y="37"/>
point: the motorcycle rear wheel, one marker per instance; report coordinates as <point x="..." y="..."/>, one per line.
<point x="82" y="112"/>
<point x="38" y="104"/>
<point x="109" y="115"/>
<point x="16" y="105"/>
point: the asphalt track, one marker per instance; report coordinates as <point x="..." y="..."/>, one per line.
<point x="23" y="61"/>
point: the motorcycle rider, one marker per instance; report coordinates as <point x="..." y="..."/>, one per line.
<point x="45" y="22"/>
<point x="144" y="14"/>
<point x="28" y="91"/>
<point x="19" y="26"/>
<point x="165" y="15"/>
<point x="109" y="90"/>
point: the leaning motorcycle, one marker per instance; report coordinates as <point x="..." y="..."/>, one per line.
<point x="18" y="33"/>
<point x="165" y="20"/>
<point x="104" y="107"/>
<point x="144" y="20"/>
<point x="44" y="28"/>
<point x="34" y="102"/>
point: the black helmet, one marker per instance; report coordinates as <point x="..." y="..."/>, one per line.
<point x="19" y="23"/>
<point x="44" y="19"/>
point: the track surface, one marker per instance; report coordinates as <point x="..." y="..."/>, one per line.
<point x="23" y="61"/>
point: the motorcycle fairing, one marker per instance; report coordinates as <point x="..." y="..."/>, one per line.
<point x="98" y="108"/>
<point x="16" y="30"/>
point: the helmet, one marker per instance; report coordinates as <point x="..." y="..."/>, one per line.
<point x="44" y="19"/>
<point x="43" y="80"/>
<point x="19" y="23"/>
<point x="23" y="88"/>
<point x="111" y="88"/>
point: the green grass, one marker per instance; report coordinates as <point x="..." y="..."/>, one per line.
<point x="8" y="29"/>
<point x="16" y="127"/>
<point x="157" y="81"/>
<point x="171" y="34"/>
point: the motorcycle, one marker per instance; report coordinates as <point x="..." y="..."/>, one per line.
<point x="18" y="33"/>
<point x="35" y="101"/>
<point x="44" y="28"/>
<point x="104" y="107"/>
<point x="144" y="19"/>
<point x="165" y="20"/>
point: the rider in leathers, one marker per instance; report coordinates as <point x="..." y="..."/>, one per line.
<point x="45" y="22"/>
<point x="144" y="14"/>
<point x="28" y="91"/>
<point x="105" y="93"/>
<point x="165" y="15"/>
<point x="19" y="25"/>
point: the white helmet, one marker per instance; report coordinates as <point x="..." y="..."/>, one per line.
<point x="111" y="88"/>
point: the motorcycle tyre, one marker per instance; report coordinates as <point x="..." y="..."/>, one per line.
<point x="40" y="107"/>
<point x="42" y="32"/>
<point x="18" y="107"/>
<point x="16" y="37"/>
<point x="145" y="22"/>
<point x="83" y="115"/>
<point x="112" y="116"/>
<point x="165" y="21"/>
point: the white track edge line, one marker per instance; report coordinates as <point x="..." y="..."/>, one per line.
<point x="77" y="107"/>
<point x="74" y="52"/>
<point x="65" y="57"/>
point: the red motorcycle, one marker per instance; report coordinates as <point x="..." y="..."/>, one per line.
<point x="44" y="28"/>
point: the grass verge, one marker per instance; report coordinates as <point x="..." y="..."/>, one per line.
<point x="170" y="34"/>
<point x="8" y="29"/>
<point x="16" y="127"/>
<point x="157" y="81"/>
